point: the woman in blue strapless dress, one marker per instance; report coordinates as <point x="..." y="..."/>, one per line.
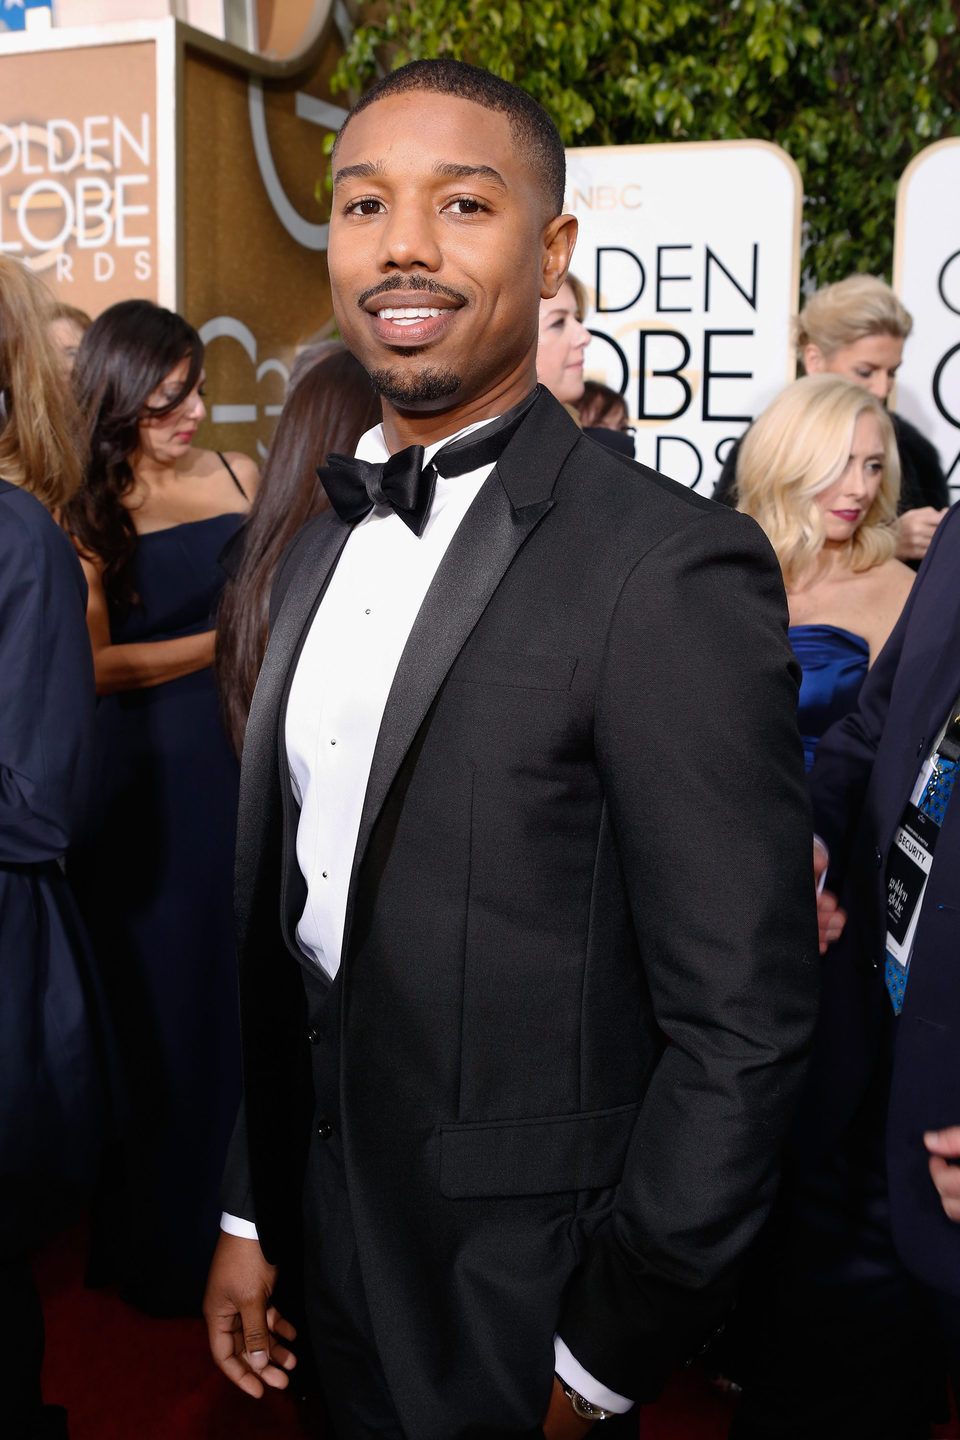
<point x="155" y="876"/>
<point x="819" y="471"/>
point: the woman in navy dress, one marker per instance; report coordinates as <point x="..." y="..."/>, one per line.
<point x="52" y="1102"/>
<point x="155" y="878"/>
<point x="819" y="471"/>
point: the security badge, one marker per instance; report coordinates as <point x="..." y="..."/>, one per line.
<point x="908" y="866"/>
<point x="911" y="854"/>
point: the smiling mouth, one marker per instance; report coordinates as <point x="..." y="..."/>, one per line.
<point x="408" y="314"/>
<point x="406" y="327"/>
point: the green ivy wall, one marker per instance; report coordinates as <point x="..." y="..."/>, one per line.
<point x="851" y="91"/>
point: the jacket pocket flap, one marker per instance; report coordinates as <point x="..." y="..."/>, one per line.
<point x="523" y="672"/>
<point x="535" y="1157"/>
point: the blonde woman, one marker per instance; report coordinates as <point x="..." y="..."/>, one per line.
<point x="819" y="472"/>
<point x="857" y="329"/>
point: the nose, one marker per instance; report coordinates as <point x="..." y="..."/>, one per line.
<point x="408" y="240"/>
<point x="581" y="336"/>
<point x="198" y="410"/>
<point x="854" y="485"/>
<point x="880" y="384"/>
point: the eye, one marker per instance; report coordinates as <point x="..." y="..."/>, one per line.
<point x="864" y="371"/>
<point x="366" y="205"/>
<point x="468" y="205"/>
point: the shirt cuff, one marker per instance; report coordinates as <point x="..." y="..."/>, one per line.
<point x="574" y="1375"/>
<point x="233" y="1225"/>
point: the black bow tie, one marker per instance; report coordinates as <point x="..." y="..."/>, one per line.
<point x="403" y="482"/>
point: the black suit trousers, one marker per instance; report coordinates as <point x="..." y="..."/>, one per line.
<point x="354" y="1391"/>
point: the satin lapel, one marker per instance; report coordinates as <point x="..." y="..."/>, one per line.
<point x="260" y="787"/>
<point x="510" y="505"/>
<point x="483" y="547"/>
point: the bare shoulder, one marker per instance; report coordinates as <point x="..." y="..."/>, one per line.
<point x="892" y="581"/>
<point x="888" y="586"/>
<point x="214" y="467"/>
<point x="245" y="470"/>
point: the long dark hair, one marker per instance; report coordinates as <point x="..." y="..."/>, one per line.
<point x="327" y="410"/>
<point x="123" y="357"/>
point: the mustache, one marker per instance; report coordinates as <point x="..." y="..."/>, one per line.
<point x="394" y="284"/>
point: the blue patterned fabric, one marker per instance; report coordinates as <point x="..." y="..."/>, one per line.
<point x="933" y="802"/>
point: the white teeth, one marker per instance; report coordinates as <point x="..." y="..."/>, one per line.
<point x="409" y="314"/>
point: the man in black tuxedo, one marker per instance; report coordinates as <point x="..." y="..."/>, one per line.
<point x="526" y="927"/>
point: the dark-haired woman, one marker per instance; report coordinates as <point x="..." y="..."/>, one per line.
<point x="327" y="409"/>
<point x="155" y="879"/>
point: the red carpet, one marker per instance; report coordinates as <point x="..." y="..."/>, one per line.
<point x="123" y="1376"/>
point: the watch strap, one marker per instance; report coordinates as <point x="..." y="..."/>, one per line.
<point x="582" y="1407"/>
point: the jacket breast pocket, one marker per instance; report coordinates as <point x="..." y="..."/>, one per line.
<point x="515" y="671"/>
<point x="535" y="1157"/>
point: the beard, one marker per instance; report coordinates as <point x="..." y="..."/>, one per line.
<point x="422" y="386"/>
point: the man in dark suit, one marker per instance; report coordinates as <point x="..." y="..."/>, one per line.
<point x="868" y="1294"/>
<point x="526" y="924"/>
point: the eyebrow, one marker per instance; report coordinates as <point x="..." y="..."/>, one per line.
<point x="447" y="170"/>
<point x="366" y="170"/>
<point x="444" y="170"/>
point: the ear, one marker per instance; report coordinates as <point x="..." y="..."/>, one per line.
<point x="813" y="361"/>
<point x="559" y="238"/>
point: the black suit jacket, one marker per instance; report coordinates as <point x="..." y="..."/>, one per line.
<point x="579" y="960"/>
<point x="864" y="772"/>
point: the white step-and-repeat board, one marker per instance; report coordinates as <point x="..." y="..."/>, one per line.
<point x="927" y="279"/>
<point x="691" y="256"/>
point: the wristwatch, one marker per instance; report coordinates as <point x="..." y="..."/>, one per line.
<point x="582" y="1407"/>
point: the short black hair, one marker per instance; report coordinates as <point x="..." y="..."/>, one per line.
<point x="533" y="131"/>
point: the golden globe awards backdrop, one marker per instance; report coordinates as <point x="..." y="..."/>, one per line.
<point x="691" y="253"/>
<point x="80" y="157"/>
<point x="149" y="159"/>
<point x="927" y="279"/>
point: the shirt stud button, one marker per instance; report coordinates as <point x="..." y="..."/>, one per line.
<point x="326" y="874"/>
<point x="366" y="612"/>
<point x="333" y="742"/>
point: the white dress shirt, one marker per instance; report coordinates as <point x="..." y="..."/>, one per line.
<point x="343" y="677"/>
<point x="337" y="698"/>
